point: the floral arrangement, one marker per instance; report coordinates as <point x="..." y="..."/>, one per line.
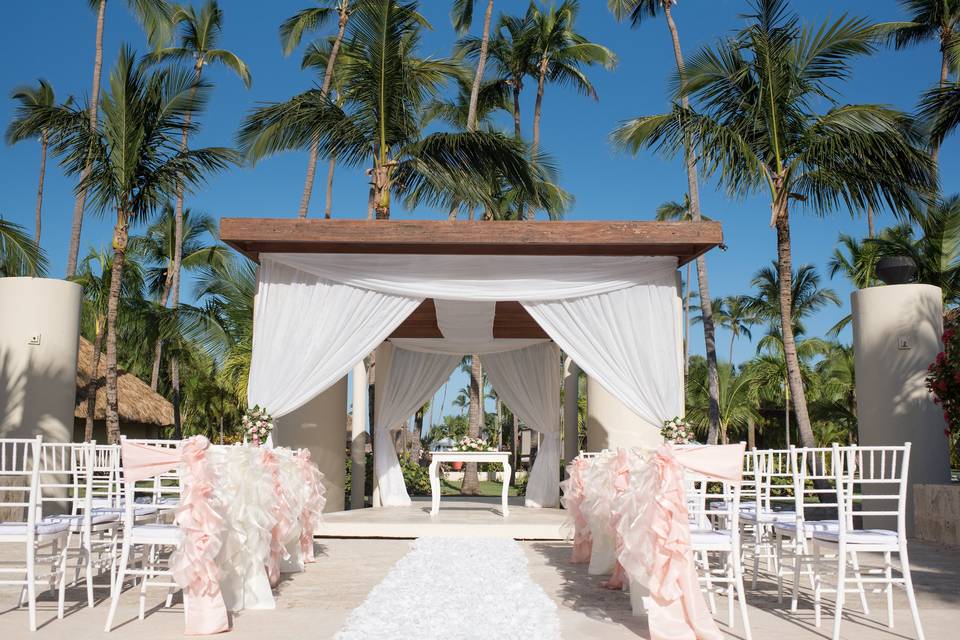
<point x="472" y="444"/>
<point x="943" y="379"/>
<point x="677" y="431"/>
<point x="257" y="425"/>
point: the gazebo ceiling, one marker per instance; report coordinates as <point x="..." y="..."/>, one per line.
<point x="685" y="240"/>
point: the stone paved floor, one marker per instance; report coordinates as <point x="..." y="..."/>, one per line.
<point x="314" y="605"/>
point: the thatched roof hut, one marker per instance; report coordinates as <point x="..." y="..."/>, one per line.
<point x="143" y="411"/>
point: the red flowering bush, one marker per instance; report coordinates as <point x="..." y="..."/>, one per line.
<point x="943" y="379"/>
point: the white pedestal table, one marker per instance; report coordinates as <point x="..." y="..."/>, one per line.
<point x="503" y="457"/>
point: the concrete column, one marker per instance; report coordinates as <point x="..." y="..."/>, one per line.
<point x="39" y="335"/>
<point x="571" y="390"/>
<point x="358" y="436"/>
<point x="321" y="425"/>
<point x="611" y="424"/>
<point x="896" y="335"/>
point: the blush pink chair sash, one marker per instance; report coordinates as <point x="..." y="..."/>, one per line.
<point x="572" y="500"/>
<point x="656" y="547"/>
<point x="194" y="564"/>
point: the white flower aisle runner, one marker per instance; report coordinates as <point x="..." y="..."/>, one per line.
<point x="460" y="588"/>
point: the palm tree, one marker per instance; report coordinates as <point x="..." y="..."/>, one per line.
<point x="837" y="396"/>
<point x="94" y="275"/>
<point x="462" y="15"/>
<point x="19" y="254"/>
<point x="937" y="20"/>
<point x="198" y="39"/>
<point x="736" y="316"/>
<point x="561" y="53"/>
<point x="757" y="127"/>
<point x="154" y="17"/>
<point x="157" y="248"/>
<point x="135" y="164"/>
<point x="25" y="126"/>
<point x="379" y="125"/>
<point x="638" y="10"/>
<point x="737" y="400"/>
<point x="291" y="33"/>
<point x="673" y="210"/>
<point x="510" y="49"/>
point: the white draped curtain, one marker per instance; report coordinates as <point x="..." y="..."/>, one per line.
<point x="412" y="377"/>
<point x="318" y="314"/>
<point x="528" y="381"/>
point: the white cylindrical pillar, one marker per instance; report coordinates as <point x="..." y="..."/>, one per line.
<point x="611" y="424"/>
<point x="358" y="437"/>
<point x="39" y="335"/>
<point x="896" y="335"/>
<point x="383" y="358"/>
<point x="321" y="426"/>
<point x="571" y="392"/>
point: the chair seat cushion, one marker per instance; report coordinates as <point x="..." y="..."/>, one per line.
<point x="862" y="536"/>
<point x="98" y="517"/>
<point x="145" y="510"/>
<point x="768" y="516"/>
<point x="810" y="526"/>
<point x="160" y="533"/>
<point x="42" y="528"/>
<point x="714" y="539"/>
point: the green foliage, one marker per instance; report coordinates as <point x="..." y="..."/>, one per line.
<point x="19" y="255"/>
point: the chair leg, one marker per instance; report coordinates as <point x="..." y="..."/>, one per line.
<point x="908" y="583"/>
<point x="888" y="574"/>
<point x="817" y="580"/>
<point x="32" y="584"/>
<point x="855" y="563"/>
<point x="778" y="549"/>
<point x="147" y="570"/>
<point x="841" y="589"/>
<point x="729" y="573"/>
<point x="738" y="585"/>
<point x="62" y="579"/>
<point x="799" y="551"/>
<point x="118" y="586"/>
<point x="756" y="555"/>
<point x="708" y="580"/>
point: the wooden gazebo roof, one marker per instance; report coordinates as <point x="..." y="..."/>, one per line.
<point x="684" y="240"/>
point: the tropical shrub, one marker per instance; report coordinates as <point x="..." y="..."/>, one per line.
<point x="943" y="379"/>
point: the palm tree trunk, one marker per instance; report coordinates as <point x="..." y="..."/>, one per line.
<point x="709" y="331"/>
<point x="733" y="338"/>
<point x="870" y="230"/>
<point x="471" y="481"/>
<point x="81" y="199"/>
<point x="43" y="171"/>
<point x="785" y="271"/>
<point x="516" y="109"/>
<point x="120" y="236"/>
<point x="515" y="449"/>
<point x="751" y="434"/>
<point x="538" y="106"/>
<point x="158" y="346"/>
<point x="324" y="90"/>
<point x="454" y="210"/>
<point x="945" y="35"/>
<point x="328" y="209"/>
<point x="481" y="63"/>
<point x="94" y="381"/>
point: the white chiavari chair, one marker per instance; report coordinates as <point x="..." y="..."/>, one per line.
<point x="723" y="540"/>
<point x="21" y="466"/>
<point x="875" y="479"/>
<point x="815" y="495"/>
<point x="153" y="540"/>
<point x="773" y="486"/>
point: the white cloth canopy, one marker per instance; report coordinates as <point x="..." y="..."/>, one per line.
<point x="318" y="314"/>
<point x="528" y="381"/>
<point x="412" y="377"/>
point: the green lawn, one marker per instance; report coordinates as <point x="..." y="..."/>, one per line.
<point x="448" y="488"/>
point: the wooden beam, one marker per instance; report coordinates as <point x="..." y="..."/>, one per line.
<point x="511" y="321"/>
<point x="685" y="240"/>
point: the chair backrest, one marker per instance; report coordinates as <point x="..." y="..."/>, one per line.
<point x="815" y="481"/>
<point x="705" y="506"/>
<point x="20" y="476"/>
<point x="63" y="476"/>
<point x="748" y="486"/>
<point x="161" y="491"/>
<point x="166" y="484"/>
<point x="773" y="479"/>
<point x="99" y="466"/>
<point x="875" y="478"/>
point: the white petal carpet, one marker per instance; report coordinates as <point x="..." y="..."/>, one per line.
<point x="462" y="588"/>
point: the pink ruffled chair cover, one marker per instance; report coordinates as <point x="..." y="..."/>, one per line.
<point x="572" y="500"/>
<point x="193" y="564"/>
<point x="313" y="505"/>
<point x="656" y="538"/>
<point x="281" y="510"/>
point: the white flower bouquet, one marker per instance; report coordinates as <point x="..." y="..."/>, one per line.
<point x="257" y="425"/>
<point x="472" y="444"/>
<point x="677" y="431"/>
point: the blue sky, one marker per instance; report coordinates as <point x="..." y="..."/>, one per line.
<point x="55" y="40"/>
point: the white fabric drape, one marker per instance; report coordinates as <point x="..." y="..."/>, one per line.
<point x="465" y="320"/>
<point x="463" y="347"/>
<point x="412" y="377"/>
<point x="528" y="381"/>
<point x="627" y="340"/>
<point x="489" y="278"/>
<point x="308" y="333"/>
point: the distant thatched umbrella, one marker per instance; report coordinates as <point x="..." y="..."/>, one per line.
<point x="139" y="406"/>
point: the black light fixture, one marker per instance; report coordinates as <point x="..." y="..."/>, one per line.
<point x="896" y="269"/>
